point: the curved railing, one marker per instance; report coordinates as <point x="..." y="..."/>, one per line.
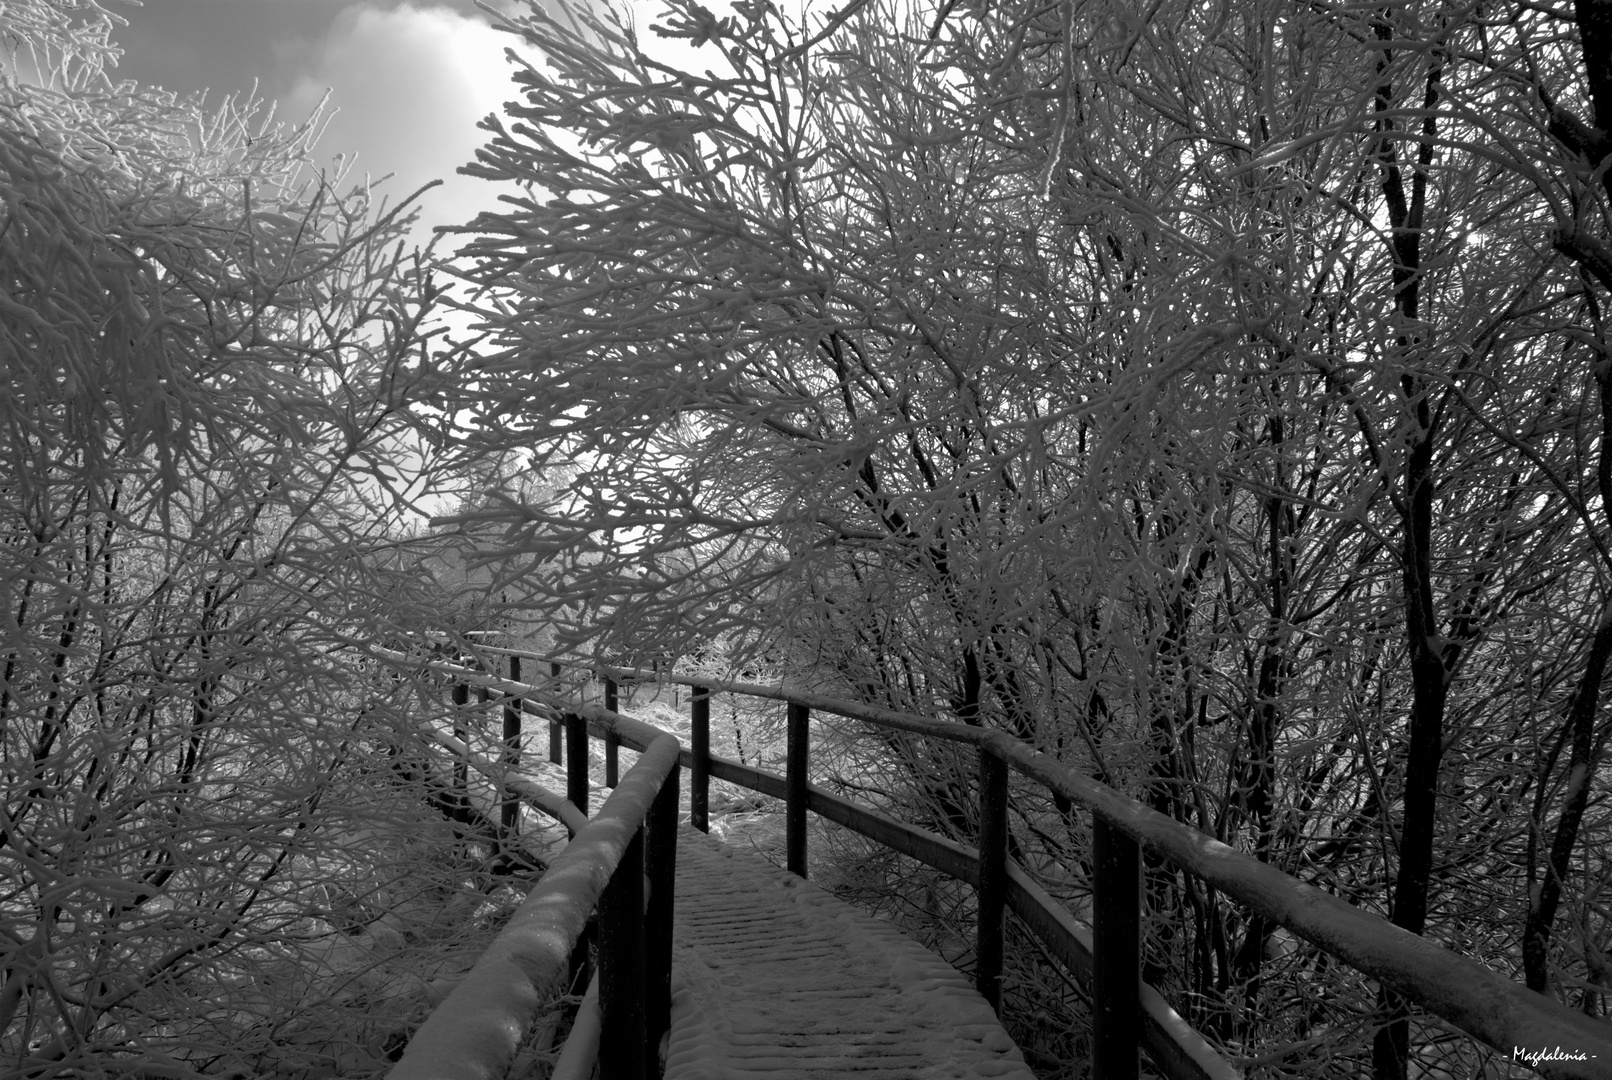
<point x="620" y="863"/>
<point x="1106" y="957"/>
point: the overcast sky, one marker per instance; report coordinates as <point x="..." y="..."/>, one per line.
<point x="409" y="78"/>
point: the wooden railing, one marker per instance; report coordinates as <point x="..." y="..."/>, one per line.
<point x="620" y="863"/>
<point x="1105" y="957"/>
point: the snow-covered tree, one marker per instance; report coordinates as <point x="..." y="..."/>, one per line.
<point x="1214" y="396"/>
<point x="216" y="853"/>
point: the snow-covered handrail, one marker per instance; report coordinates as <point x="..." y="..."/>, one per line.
<point x="851" y="710"/>
<point x="1469" y="995"/>
<point x="560" y="809"/>
<point x="634" y="733"/>
<point x="476" y="1031"/>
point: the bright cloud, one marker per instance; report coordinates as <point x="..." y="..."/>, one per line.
<point x="409" y="85"/>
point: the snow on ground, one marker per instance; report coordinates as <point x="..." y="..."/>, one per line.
<point x="776" y="977"/>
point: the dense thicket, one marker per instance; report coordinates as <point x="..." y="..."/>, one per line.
<point x="217" y="855"/>
<point x="1214" y="393"/>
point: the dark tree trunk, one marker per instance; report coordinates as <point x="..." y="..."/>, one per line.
<point x="1431" y="659"/>
<point x="1544" y="897"/>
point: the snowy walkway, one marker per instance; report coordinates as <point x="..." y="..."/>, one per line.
<point x="775" y="978"/>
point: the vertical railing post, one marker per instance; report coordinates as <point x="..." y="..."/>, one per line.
<point x="554" y="725"/>
<point x="993" y="876"/>
<point x="621" y="968"/>
<point x="576" y="760"/>
<point x="1117" y="963"/>
<point x="461" y="771"/>
<point x="798" y="749"/>
<point x="699" y="776"/>
<point x="660" y="868"/>
<point x="510" y="809"/>
<point x="612" y="740"/>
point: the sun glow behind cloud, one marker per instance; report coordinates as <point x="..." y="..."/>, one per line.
<point x="409" y="84"/>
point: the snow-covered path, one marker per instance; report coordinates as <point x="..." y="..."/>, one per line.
<point x="775" y="978"/>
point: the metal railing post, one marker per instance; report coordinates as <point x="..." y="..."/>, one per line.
<point x="461" y="770"/>
<point x="660" y="868"/>
<point x="798" y="749"/>
<point x="612" y="740"/>
<point x="510" y="808"/>
<point x="1117" y="953"/>
<point x="576" y="760"/>
<point x="554" y="725"/>
<point x="993" y="876"/>
<point x="622" y="1034"/>
<point x="699" y="777"/>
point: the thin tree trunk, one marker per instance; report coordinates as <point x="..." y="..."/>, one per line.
<point x="1430" y="658"/>
<point x="1544" y="896"/>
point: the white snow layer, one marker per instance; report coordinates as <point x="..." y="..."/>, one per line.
<point x="776" y="978"/>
